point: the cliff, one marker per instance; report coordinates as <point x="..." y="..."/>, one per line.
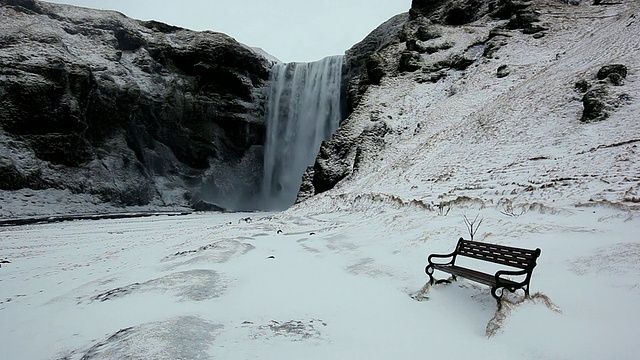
<point x="98" y="106"/>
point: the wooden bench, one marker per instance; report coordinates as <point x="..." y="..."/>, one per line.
<point x="522" y="259"/>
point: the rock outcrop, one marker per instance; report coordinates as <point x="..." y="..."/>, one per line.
<point x="601" y="100"/>
<point x="367" y="61"/>
<point x="450" y="12"/>
<point x="132" y="112"/>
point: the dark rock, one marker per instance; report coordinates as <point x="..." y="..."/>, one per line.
<point x="432" y="49"/>
<point x="598" y="102"/>
<point x="539" y="35"/>
<point x="458" y="62"/>
<point x="494" y="44"/>
<point x="503" y="71"/>
<point x="432" y="77"/>
<point x="416" y="45"/>
<point x="450" y="12"/>
<point x="424" y="7"/>
<point x="582" y="86"/>
<point x="161" y="27"/>
<point x="506" y="9"/>
<point x="534" y="29"/>
<point x="623" y="99"/>
<point x="426" y="33"/>
<point x="607" y="70"/>
<point x="410" y="61"/>
<point x="596" y="107"/>
<point x="202" y="205"/>
<point x="129" y="40"/>
<point x="463" y="13"/>
<point x="370" y="141"/>
<point x="32" y="6"/>
<point x="133" y="112"/>
<point x="523" y="19"/>
<point x="375" y="69"/>
<point x="499" y="31"/>
<point x="616" y="79"/>
<point x="520" y="16"/>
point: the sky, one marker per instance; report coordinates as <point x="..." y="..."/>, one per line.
<point x="290" y="30"/>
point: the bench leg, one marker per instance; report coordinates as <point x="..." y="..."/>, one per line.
<point x="494" y="293"/>
<point x="429" y="270"/>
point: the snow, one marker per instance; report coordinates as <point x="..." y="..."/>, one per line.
<point x="340" y="275"/>
<point x="343" y="292"/>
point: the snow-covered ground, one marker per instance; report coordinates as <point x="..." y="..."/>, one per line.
<point x="340" y="275"/>
<point x="329" y="286"/>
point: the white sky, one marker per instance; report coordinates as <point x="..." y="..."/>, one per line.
<point x="291" y="30"/>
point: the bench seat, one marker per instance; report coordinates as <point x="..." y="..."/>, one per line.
<point x="473" y="275"/>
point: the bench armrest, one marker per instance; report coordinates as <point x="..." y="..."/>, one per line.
<point x="509" y="272"/>
<point x="441" y="256"/>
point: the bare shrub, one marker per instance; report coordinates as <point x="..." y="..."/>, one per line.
<point x="472" y="225"/>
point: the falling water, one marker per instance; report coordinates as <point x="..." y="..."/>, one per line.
<point x="303" y="109"/>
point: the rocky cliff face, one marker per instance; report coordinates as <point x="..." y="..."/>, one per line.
<point x="126" y="111"/>
<point x="437" y="40"/>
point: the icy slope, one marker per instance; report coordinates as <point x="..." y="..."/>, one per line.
<point x="516" y="139"/>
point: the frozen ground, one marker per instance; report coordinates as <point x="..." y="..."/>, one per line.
<point x="339" y="276"/>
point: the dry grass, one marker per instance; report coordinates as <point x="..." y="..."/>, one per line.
<point x="421" y="295"/>
<point x="511" y="302"/>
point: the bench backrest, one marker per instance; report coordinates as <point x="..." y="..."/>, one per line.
<point x="499" y="254"/>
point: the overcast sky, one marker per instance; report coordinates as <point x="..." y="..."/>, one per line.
<point x="291" y="30"/>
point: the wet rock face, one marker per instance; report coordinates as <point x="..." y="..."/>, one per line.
<point x="135" y="112"/>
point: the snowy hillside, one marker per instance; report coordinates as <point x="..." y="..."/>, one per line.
<point x="341" y="275"/>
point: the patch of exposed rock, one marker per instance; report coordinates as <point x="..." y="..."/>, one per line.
<point x="503" y="71"/>
<point x="600" y="100"/>
<point x="450" y="12"/>
<point x="133" y="112"/>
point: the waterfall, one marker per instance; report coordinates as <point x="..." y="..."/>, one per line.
<point x="303" y="109"/>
